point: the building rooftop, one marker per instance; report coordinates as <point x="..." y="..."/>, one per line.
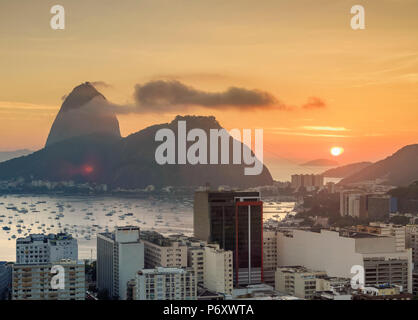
<point x="44" y="238"/>
<point x="161" y="270"/>
<point x="156" y="238"/>
<point x="358" y="235"/>
<point x="296" y="269"/>
<point x="109" y="235"/>
<point x="60" y="262"/>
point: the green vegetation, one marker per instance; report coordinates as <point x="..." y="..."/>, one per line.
<point x="322" y="204"/>
<point x="410" y="192"/>
<point x="400" y="220"/>
<point x="346" y="221"/>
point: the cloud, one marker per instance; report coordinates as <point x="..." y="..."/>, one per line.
<point x="172" y="95"/>
<point x="101" y="84"/>
<point x="329" y="131"/>
<point x="25" y="107"/>
<point x="304" y="134"/>
<point x="324" y="128"/>
<point x="198" y="76"/>
<point x="314" y="103"/>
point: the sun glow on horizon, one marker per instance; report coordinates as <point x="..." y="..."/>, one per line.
<point x="336" y="151"/>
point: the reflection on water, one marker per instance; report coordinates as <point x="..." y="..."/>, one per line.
<point x="277" y="210"/>
<point x="84" y="217"/>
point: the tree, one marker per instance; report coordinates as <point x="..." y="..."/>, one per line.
<point x="401" y="220"/>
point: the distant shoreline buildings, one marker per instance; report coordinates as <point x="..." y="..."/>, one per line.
<point x="308" y="181"/>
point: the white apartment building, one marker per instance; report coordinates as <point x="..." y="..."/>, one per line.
<point x="166" y="284"/>
<point x="269" y="256"/>
<point x="336" y="253"/>
<point x="39" y="248"/>
<point x="120" y="255"/>
<point x="297" y="281"/>
<point x="412" y="242"/>
<point x="33" y="281"/>
<point x="392" y="230"/>
<point x="353" y="203"/>
<point x="196" y="261"/>
<point x="164" y="252"/>
<point x="213" y="267"/>
<point x="218" y="270"/>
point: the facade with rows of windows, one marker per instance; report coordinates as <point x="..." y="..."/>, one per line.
<point x="166" y="284"/>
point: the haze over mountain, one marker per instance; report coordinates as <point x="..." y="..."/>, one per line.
<point x="347" y="170"/>
<point x="80" y="115"/>
<point x="399" y="169"/>
<point x="321" y="163"/>
<point x="7" y="155"/>
<point x="93" y="151"/>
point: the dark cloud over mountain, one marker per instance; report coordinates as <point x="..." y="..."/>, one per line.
<point x="172" y="95"/>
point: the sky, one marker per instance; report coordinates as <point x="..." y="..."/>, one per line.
<point x="331" y="85"/>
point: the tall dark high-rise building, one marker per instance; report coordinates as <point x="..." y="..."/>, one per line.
<point x="234" y="220"/>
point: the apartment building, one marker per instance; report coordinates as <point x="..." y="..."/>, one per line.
<point x="196" y="261"/>
<point x="353" y="203"/>
<point x="360" y="204"/>
<point x="388" y="230"/>
<point x="33" y="281"/>
<point x="120" y="254"/>
<point x="213" y="266"/>
<point x="165" y="252"/>
<point x="307" y="180"/>
<point x="218" y="269"/>
<point x="269" y="256"/>
<point x="411" y="235"/>
<point x="166" y="284"/>
<point x="40" y="248"/>
<point x="297" y="281"/>
<point x="337" y="252"/>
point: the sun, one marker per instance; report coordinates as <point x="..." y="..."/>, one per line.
<point x="336" y="151"/>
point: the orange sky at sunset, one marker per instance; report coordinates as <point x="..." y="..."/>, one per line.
<point x="295" y="50"/>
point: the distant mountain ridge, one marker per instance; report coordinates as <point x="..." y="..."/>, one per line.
<point x="321" y="163"/>
<point x="399" y="169"/>
<point x="347" y="170"/>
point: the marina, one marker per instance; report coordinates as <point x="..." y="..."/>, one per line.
<point x="84" y="217"/>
